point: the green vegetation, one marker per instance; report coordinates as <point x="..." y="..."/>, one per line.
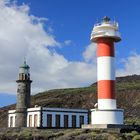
<point x="75" y="97"/>
<point x="66" y="134"/>
<point x="67" y="91"/>
<point x="128" y="85"/>
<point x="137" y="137"/>
<point x="132" y="121"/>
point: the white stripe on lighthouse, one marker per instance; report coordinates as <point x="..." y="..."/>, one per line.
<point x="106" y="68"/>
<point x="106" y="103"/>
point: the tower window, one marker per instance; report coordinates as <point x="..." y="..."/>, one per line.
<point x="20" y="76"/>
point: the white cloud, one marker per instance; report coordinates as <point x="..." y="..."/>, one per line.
<point x="90" y="53"/>
<point x="67" y="42"/>
<point x="131" y="66"/>
<point x="22" y="35"/>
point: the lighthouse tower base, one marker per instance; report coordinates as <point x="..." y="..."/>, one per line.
<point x="106" y="119"/>
<point x="114" y="116"/>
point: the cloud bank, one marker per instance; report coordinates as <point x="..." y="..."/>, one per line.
<point x="23" y="35"/>
<point x="131" y="65"/>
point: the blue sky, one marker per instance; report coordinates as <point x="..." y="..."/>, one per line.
<point x="74" y="19"/>
<point x="70" y="21"/>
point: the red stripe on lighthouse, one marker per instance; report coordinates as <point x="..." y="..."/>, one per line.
<point x="106" y="89"/>
<point x="105" y="47"/>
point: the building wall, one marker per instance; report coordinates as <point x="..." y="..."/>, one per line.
<point x="44" y="118"/>
<point x="34" y="118"/>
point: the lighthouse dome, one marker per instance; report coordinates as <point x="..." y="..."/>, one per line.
<point x="24" y="68"/>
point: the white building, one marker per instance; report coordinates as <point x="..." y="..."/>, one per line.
<point x="52" y="117"/>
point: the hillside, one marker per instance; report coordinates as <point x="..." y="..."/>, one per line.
<point x="127" y="90"/>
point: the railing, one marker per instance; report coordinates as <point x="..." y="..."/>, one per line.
<point x="109" y="23"/>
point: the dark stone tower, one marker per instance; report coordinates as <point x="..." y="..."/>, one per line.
<point x="23" y="95"/>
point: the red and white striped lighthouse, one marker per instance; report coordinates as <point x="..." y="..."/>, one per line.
<point x="105" y="34"/>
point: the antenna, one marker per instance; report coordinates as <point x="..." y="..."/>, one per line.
<point x="24" y="60"/>
<point x="97" y="20"/>
<point x="114" y="19"/>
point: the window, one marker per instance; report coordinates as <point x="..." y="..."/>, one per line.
<point x="25" y="76"/>
<point x="81" y="120"/>
<point x="66" y="121"/>
<point x="30" y="120"/>
<point x="49" y="120"/>
<point x="57" y="120"/>
<point x="35" y="120"/>
<point x="11" y="121"/>
<point x="20" y="77"/>
<point x="73" y="121"/>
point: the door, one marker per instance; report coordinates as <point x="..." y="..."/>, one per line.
<point x="11" y="121"/>
<point x="74" y="121"/>
<point x="66" y="121"/>
<point x="30" y="120"/>
<point x="57" y="120"/>
<point x="49" y="120"/>
<point x="35" y="120"/>
<point x="81" y="120"/>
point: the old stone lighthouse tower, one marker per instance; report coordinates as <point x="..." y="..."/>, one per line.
<point x="23" y="95"/>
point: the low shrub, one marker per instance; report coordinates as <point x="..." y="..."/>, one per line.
<point x="137" y="137"/>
